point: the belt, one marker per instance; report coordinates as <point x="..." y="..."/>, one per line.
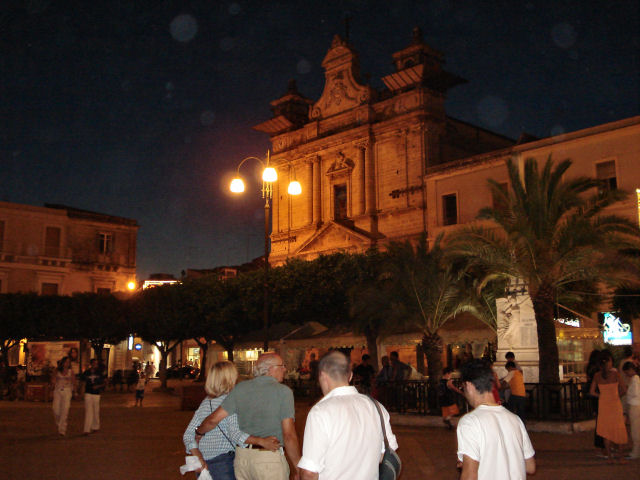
<point x="255" y="447"/>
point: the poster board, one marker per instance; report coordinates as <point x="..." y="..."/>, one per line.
<point x="45" y="355"/>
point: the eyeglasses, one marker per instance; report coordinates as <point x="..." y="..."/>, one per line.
<point x="281" y="365"/>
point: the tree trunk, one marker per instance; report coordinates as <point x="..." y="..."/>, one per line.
<point x="164" y="354"/>
<point x="204" y="347"/>
<point x="547" y="343"/>
<point x="372" y="347"/>
<point x="432" y="347"/>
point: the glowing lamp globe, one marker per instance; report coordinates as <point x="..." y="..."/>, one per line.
<point x="131" y="285"/>
<point x="237" y="185"/>
<point x="269" y="175"/>
<point x="294" y="188"/>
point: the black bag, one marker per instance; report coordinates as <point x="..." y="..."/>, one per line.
<point x="391" y="464"/>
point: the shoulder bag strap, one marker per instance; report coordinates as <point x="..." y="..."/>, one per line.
<point x="218" y="426"/>
<point x="384" y="430"/>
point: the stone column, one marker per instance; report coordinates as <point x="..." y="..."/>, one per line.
<point x="310" y="190"/>
<point x="370" y="180"/>
<point x="275" y="209"/>
<point x="317" y="197"/>
<point x="360" y="178"/>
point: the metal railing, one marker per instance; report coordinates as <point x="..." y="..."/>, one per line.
<point x="568" y="401"/>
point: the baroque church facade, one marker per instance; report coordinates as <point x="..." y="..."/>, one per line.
<point x="386" y="165"/>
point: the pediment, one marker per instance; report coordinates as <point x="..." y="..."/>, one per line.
<point x="335" y="237"/>
<point x="342" y="90"/>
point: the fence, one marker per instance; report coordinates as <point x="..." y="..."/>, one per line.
<point x="563" y="402"/>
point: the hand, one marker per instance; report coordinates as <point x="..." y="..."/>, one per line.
<point x="198" y="438"/>
<point x="295" y="475"/>
<point x="270" y="443"/>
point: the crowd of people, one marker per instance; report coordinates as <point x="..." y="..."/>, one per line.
<point x="244" y="431"/>
<point x="90" y="384"/>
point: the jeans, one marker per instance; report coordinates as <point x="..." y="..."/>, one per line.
<point x="221" y="467"/>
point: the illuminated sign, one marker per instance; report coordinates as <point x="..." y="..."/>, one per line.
<point x="138" y="346"/>
<point x="615" y="332"/>
<point x="571" y="322"/>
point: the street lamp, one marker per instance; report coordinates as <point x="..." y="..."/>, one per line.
<point x="269" y="177"/>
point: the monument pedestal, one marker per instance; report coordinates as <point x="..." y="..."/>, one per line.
<point x="517" y="332"/>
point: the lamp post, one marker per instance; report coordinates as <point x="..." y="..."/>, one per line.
<point x="269" y="177"/>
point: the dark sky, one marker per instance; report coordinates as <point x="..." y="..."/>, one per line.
<point x="143" y="109"/>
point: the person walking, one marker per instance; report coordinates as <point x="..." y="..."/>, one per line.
<point x="216" y="450"/>
<point x="446" y="397"/>
<point x="610" y="423"/>
<point x="515" y="382"/>
<point x="633" y="406"/>
<point x="265" y="408"/>
<point x="343" y="437"/>
<point x="493" y="443"/>
<point x="64" y="387"/>
<point x="140" y="386"/>
<point x="94" y="382"/>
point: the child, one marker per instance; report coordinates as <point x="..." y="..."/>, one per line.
<point x="142" y="382"/>
<point x="633" y="402"/>
<point x="515" y="382"/>
<point x="447" y="398"/>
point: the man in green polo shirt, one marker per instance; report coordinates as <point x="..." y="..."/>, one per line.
<point x="265" y="408"/>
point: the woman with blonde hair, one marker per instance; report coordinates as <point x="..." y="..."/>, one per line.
<point x="216" y="449"/>
<point x="64" y="386"/>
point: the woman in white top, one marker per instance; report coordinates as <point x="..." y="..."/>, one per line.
<point x="64" y="387"/>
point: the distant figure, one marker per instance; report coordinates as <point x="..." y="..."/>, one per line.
<point x="493" y="443"/>
<point x="384" y="375"/>
<point x="593" y="367"/>
<point x="343" y="434"/>
<point x="132" y="378"/>
<point x="399" y="371"/>
<point x="140" y="386"/>
<point x="363" y="374"/>
<point x="94" y="382"/>
<point x="633" y="406"/>
<point x="216" y="449"/>
<point x="511" y="357"/>
<point x="265" y="408"/>
<point x="610" y="423"/>
<point x="313" y="367"/>
<point x="149" y="370"/>
<point x="447" y="398"/>
<point x="518" y="399"/>
<point x="64" y="386"/>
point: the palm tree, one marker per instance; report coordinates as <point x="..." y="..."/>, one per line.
<point x="552" y="234"/>
<point x="428" y="292"/>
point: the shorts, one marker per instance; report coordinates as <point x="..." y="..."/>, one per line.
<point x="140" y="394"/>
<point x="450" y="411"/>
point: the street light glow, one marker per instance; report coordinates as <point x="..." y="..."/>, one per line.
<point x="294" y="188"/>
<point x="131" y="285"/>
<point x="269" y="175"/>
<point x="237" y="185"/>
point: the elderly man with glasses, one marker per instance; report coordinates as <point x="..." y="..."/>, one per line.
<point x="265" y="408"/>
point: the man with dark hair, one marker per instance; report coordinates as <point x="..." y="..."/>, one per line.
<point x="399" y="370"/>
<point x="518" y="399"/>
<point x="493" y="443"/>
<point x="363" y="374"/>
<point x="94" y="382"/>
<point x="342" y="436"/>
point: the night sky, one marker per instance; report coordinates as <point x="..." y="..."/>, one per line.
<point x="143" y="109"/>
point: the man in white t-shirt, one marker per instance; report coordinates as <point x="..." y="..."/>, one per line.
<point x="342" y="436"/>
<point x="493" y="443"/>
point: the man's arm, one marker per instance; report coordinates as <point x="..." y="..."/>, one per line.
<point x="530" y="465"/>
<point x="211" y="422"/>
<point x="307" y="475"/>
<point x="469" y="468"/>
<point x="291" y="444"/>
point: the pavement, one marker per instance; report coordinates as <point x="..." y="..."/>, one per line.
<point x="141" y="443"/>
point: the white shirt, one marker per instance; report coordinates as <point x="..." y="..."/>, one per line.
<point x="497" y="439"/>
<point x="343" y="437"/>
<point x="633" y="392"/>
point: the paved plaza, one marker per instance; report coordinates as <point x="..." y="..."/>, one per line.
<point x="146" y="444"/>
